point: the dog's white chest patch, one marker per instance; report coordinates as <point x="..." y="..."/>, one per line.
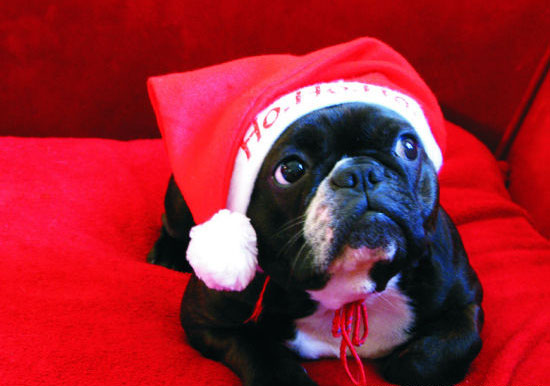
<point x="389" y="318"/>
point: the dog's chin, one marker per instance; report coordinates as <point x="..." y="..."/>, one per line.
<point x="350" y="276"/>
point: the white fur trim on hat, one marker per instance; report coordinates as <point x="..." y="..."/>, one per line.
<point x="223" y="251"/>
<point x="273" y="121"/>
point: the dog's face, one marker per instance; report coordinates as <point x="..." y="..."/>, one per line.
<point x="343" y="202"/>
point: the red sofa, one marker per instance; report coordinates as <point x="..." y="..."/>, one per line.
<point x="83" y="172"/>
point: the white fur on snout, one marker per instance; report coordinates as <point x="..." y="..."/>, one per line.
<point x="317" y="228"/>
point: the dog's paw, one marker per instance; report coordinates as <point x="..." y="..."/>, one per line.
<point x="423" y="362"/>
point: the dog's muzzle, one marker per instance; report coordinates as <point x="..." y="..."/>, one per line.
<point x="346" y="216"/>
<point x="348" y="235"/>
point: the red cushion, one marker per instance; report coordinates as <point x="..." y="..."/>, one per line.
<point x="79" y="305"/>
<point x="529" y="183"/>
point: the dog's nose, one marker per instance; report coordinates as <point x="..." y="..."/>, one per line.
<point x="360" y="176"/>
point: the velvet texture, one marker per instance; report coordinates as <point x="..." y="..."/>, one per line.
<point x="529" y="183"/>
<point x="79" y="305"/>
<point x="78" y="68"/>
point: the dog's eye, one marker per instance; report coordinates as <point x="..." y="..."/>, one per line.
<point x="289" y="171"/>
<point x="407" y="148"/>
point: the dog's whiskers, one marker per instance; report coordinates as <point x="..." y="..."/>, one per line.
<point x="296" y="222"/>
<point x="295" y="261"/>
<point x="386" y="304"/>
<point x="300" y="220"/>
<point x="290" y="243"/>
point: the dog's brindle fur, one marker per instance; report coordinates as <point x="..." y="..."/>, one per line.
<point x="430" y="263"/>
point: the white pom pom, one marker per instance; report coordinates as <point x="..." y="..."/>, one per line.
<point x="223" y="251"/>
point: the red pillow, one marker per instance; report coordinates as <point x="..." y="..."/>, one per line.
<point x="79" y="305"/>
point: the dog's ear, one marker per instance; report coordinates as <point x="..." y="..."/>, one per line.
<point x="422" y="220"/>
<point x="428" y="191"/>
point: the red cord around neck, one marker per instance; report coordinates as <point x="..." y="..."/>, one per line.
<point x="259" y="304"/>
<point x="352" y="315"/>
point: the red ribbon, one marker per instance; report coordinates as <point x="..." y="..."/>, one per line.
<point x="259" y="304"/>
<point x="351" y="316"/>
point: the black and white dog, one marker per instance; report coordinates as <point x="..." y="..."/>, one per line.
<point x="345" y="208"/>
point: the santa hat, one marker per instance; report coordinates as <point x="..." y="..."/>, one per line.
<point x="219" y="123"/>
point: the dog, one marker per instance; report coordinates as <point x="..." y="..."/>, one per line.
<point x="346" y="209"/>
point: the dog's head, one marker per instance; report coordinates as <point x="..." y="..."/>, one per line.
<point x="347" y="195"/>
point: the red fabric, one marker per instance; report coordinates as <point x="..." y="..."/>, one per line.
<point x="76" y="68"/>
<point x="528" y="160"/>
<point x="204" y="114"/>
<point x="79" y="305"/>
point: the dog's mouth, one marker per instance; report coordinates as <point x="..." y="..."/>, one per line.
<point x="364" y="237"/>
<point x="360" y="260"/>
<point x="354" y="235"/>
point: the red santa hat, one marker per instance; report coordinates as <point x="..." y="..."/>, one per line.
<point x="219" y="123"/>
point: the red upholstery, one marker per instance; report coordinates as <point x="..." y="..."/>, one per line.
<point x="74" y="68"/>
<point x="79" y="305"/>
<point x="529" y="166"/>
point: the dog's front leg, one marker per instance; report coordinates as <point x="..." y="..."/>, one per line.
<point x="441" y="352"/>
<point x="254" y="357"/>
